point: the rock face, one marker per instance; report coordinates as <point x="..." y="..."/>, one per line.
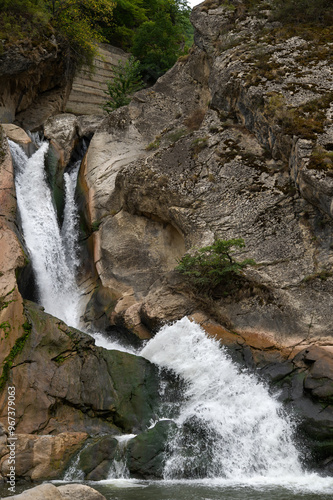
<point x="12" y="257"/>
<point x="83" y="388"/>
<point x="35" y="81"/>
<point x="41" y="457"/>
<point x="222" y="146"/>
<point x="232" y="142"/>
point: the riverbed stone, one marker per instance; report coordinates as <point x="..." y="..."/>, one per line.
<point x="83" y="388"/>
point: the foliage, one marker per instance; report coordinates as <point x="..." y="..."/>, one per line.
<point x="81" y="23"/>
<point x="213" y="266"/>
<point x="156" y="32"/>
<point x="16" y="349"/>
<point x="164" y="37"/>
<point x="22" y="19"/>
<point x="126" y="81"/>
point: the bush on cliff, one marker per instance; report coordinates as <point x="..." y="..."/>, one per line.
<point x="125" y="82"/>
<point x="213" y="266"/>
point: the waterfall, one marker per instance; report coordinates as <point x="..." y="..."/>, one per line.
<point x="229" y="426"/>
<point x="119" y="469"/>
<point x="70" y="225"/>
<point x="49" y="248"/>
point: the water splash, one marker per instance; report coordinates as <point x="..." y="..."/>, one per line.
<point x="228" y="424"/>
<point x="119" y="469"/>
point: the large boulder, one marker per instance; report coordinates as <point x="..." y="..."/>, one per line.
<point x="40" y="457"/>
<point x="49" y="491"/>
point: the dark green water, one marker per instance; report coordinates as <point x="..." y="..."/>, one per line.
<point x="161" y="490"/>
<point x="313" y="488"/>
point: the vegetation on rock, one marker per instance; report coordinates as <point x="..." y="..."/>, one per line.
<point x="16" y="349"/>
<point x="125" y="82"/>
<point x="213" y="266"/>
<point x="156" y="32"/>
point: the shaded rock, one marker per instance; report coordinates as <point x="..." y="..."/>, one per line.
<point x="146" y="452"/>
<point x="35" y="81"/>
<point x="62" y="130"/>
<point x="83" y="388"/>
<point x="141" y="249"/>
<point x="96" y="458"/>
<point x="12" y="256"/>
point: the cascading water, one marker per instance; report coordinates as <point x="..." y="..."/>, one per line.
<point x="49" y="248"/>
<point x="229" y="426"/>
<point x="70" y="225"/>
<point x="119" y="466"/>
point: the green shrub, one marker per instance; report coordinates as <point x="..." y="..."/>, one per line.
<point x="213" y="266"/>
<point x="126" y="81"/>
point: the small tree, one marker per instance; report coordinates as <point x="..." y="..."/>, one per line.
<point x="126" y="81"/>
<point x="213" y="266"/>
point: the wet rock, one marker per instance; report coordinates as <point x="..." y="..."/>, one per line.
<point x="145" y="452"/>
<point x="83" y="388"/>
<point x="42" y="457"/>
<point x="95" y="459"/>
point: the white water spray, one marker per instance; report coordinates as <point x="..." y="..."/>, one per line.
<point x="119" y="469"/>
<point x="228" y="425"/>
<point x="55" y="271"/>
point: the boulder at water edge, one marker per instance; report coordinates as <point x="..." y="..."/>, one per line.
<point x="67" y="492"/>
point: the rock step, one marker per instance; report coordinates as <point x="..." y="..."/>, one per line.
<point x="87" y="93"/>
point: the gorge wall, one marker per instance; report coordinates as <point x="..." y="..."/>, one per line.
<point x="234" y="141"/>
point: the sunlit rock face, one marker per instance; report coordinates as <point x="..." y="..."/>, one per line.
<point x="224" y="145"/>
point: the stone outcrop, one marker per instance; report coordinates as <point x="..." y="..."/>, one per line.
<point x="35" y="81"/>
<point x="12" y="256"/>
<point x="231" y="142"/>
<point x="83" y="388"/>
<point x="49" y="491"/>
<point x="40" y="457"/>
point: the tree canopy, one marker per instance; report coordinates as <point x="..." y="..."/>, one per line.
<point x="155" y="31"/>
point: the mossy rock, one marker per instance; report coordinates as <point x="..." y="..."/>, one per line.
<point x="96" y="457"/>
<point x="146" y="452"/>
